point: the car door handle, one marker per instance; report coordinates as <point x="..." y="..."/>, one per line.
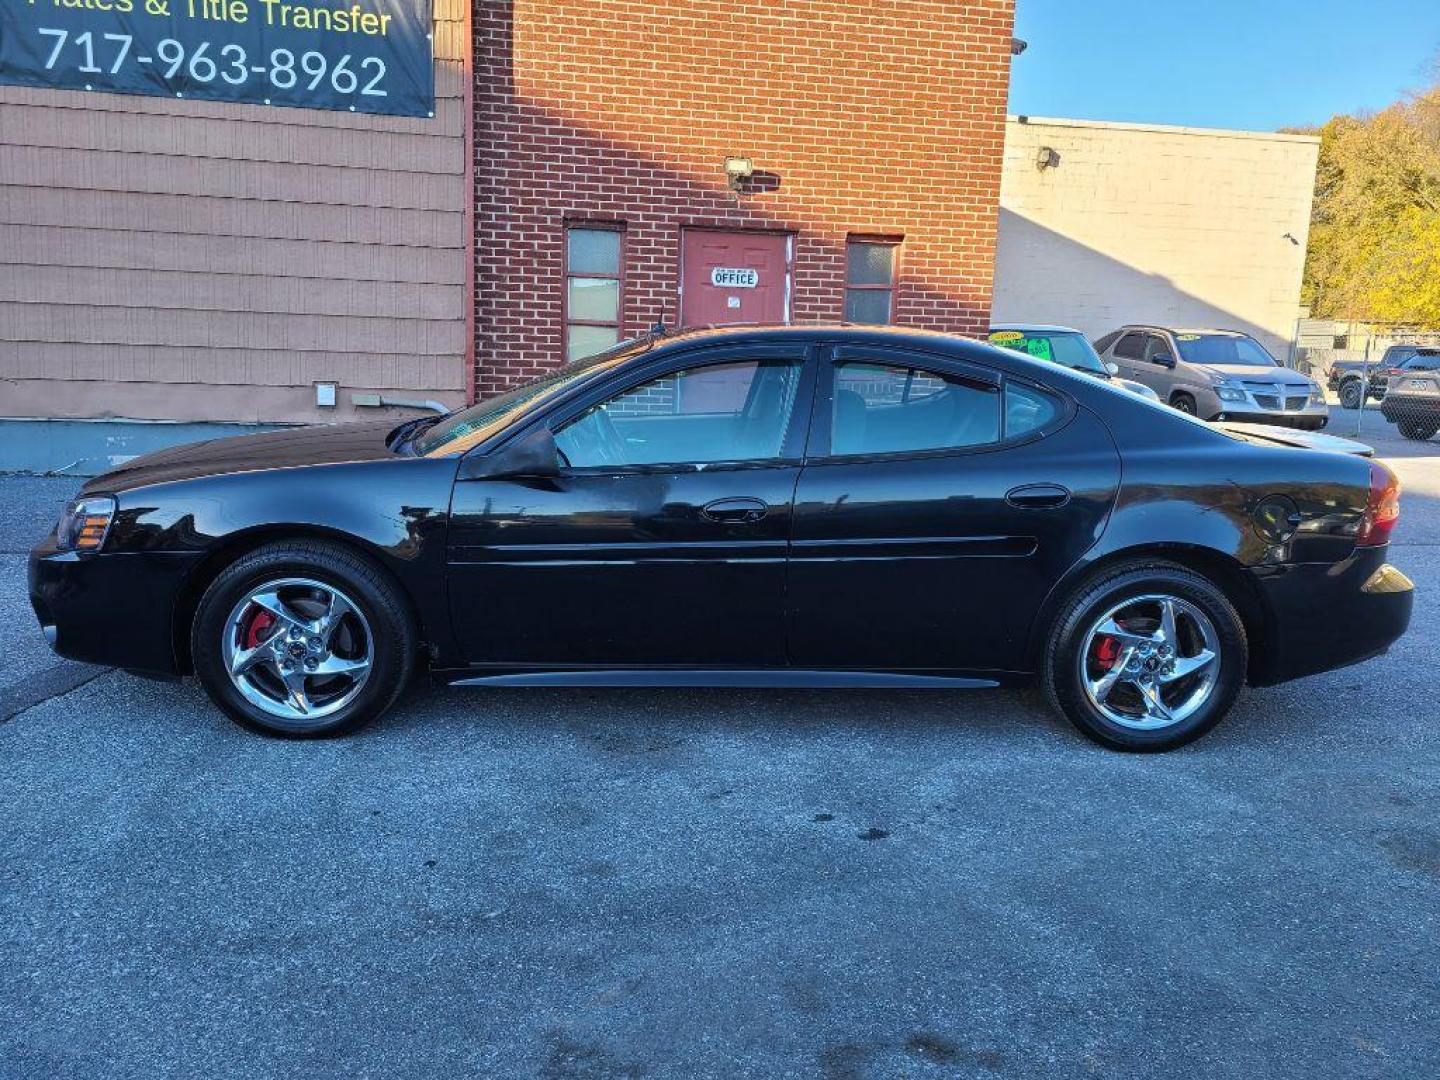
<point x="1038" y="496"/>
<point x="737" y="511"/>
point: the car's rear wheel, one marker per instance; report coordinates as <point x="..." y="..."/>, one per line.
<point x="1419" y="430"/>
<point x="303" y="639"/>
<point x="1184" y="402"/>
<point x="1146" y="657"/>
<point x="1351" y="394"/>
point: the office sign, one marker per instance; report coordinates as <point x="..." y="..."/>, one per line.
<point x="725" y="277"/>
<point x="371" y="56"/>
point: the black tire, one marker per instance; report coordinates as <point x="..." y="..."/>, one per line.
<point x="1351" y="394"/>
<point x="1090" y="601"/>
<point x="1419" y="430"/>
<point x="394" y="639"/>
<point x="1183" y="402"/>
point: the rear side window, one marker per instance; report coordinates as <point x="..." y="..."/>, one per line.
<point x="1105" y="342"/>
<point x="884" y="409"/>
<point x="1027" y="410"/>
<point x="1131" y="347"/>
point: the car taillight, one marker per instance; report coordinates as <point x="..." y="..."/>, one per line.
<point x="1384" y="509"/>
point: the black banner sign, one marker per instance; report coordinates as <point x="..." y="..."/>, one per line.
<point x="371" y="56"/>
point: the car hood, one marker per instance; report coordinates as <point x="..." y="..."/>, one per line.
<point x="1269" y="435"/>
<point x="285" y="449"/>
<point x="1249" y="373"/>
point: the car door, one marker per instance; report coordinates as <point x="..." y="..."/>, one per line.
<point x="939" y="502"/>
<point x="663" y="540"/>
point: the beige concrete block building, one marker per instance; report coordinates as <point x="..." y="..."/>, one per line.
<point x="1132" y="223"/>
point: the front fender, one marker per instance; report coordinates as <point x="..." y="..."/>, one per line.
<point x="397" y="511"/>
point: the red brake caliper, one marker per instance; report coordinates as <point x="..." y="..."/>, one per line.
<point x="257" y="628"/>
<point x="1107" y="651"/>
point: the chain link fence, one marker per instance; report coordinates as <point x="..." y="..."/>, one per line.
<point x="1392" y="370"/>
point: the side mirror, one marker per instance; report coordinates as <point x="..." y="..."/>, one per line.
<point x="1112" y="367"/>
<point x="1164" y="359"/>
<point x="533" y="457"/>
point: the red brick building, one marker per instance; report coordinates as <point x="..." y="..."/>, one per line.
<point x="872" y="135"/>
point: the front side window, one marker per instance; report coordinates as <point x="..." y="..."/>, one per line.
<point x="593" y="276"/>
<point x="718" y="413"/>
<point x="1155" y="345"/>
<point x="870" y="281"/>
<point x="883" y="409"/>
<point x="1223" y="349"/>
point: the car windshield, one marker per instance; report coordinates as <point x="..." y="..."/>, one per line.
<point x="1068" y="349"/>
<point x="1223" y="349"/>
<point x="468" y="427"/>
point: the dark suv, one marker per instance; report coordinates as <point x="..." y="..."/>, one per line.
<point x="1216" y="375"/>
<point x="1347" y="376"/>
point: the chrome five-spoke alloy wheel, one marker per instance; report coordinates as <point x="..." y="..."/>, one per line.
<point x="298" y="649"/>
<point x="1150" y="661"/>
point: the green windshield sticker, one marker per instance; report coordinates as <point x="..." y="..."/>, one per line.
<point x="1039" y="347"/>
<point x="1187" y="337"/>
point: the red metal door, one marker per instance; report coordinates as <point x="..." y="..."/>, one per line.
<point x="734" y="277"/>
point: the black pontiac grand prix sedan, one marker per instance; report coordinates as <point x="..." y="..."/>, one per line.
<point x="787" y="506"/>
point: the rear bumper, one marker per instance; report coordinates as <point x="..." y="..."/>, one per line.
<point x="109" y="609"/>
<point x="1325" y="616"/>
<point x="1405" y="407"/>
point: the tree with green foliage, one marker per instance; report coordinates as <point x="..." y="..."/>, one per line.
<point x="1374" y="252"/>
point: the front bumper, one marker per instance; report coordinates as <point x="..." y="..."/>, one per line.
<point x="112" y="609"/>
<point x="1306" y="421"/>
<point x="1321" y="616"/>
<point x="1264" y="408"/>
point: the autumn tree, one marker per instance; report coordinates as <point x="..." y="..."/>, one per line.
<point x="1374" y="251"/>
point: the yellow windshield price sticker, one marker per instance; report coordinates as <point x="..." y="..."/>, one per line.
<point x="1006" y="337"/>
<point x="1187" y="337"/>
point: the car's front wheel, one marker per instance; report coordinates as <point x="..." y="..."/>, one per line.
<point x="303" y="639"/>
<point x="1146" y="657"/>
<point x="1351" y="394"/>
<point x="1184" y="402"/>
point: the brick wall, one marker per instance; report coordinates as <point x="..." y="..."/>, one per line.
<point x="876" y="119"/>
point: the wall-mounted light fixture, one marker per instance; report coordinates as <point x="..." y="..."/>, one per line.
<point x="1047" y="158"/>
<point x="737" y="171"/>
<point x="1018" y="46"/>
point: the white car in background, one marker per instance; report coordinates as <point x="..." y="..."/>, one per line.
<point x="1066" y="347"/>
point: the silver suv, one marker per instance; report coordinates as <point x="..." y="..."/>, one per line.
<point x="1216" y="375"/>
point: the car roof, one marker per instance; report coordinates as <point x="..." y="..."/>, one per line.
<point x="1034" y="328"/>
<point x="1183" y="329"/>
<point x="855" y="332"/>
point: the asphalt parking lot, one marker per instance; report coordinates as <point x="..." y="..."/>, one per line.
<point x="721" y="884"/>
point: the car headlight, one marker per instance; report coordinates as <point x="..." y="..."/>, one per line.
<point x="85" y="523"/>
<point x="1317" y="395"/>
<point x="1229" y="393"/>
